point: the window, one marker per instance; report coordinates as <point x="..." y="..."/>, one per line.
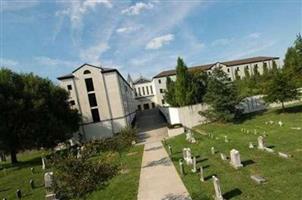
<point x="69" y="87"/>
<point x="72" y="102"/>
<point x="163" y="102"/>
<point x="161" y="90"/>
<point x="89" y="84"/>
<point x="159" y="81"/>
<point x="151" y="90"/>
<point x="147" y="90"/>
<point x="139" y="91"/>
<point x="92" y="100"/>
<point x="139" y="107"/>
<point x="87" y="72"/>
<point x="135" y="92"/>
<point x="143" y="88"/>
<point x="229" y="70"/>
<point x="95" y="115"/>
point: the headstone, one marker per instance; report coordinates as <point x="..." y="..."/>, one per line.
<point x="269" y="150"/>
<point x="258" y="179"/>
<point x="43" y="163"/>
<point x="48" y="179"/>
<point x="218" y="194"/>
<point x="235" y="159"/>
<point x="50" y="196"/>
<point x="226" y="140"/>
<point x="201" y="174"/>
<point x="283" y="155"/>
<point x="223" y="156"/>
<point x="79" y="153"/>
<point x="251" y="146"/>
<point x="261" y="144"/>
<point x="19" y="194"/>
<point x="181" y="168"/>
<point x="213" y="150"/>
<point x="170" y="150"/>
<point x="194" y="165"/>
<point x="187" y="155"/>
<point x="32" y="184"/>
<point x="280" y="123"/>
<point x="32" y="170"/>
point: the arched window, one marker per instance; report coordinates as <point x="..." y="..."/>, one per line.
<point x="87" y="72"/>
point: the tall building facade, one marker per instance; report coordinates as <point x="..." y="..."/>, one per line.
<point x="103" y="97"/>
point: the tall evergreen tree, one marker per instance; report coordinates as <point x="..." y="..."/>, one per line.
<point x="281" y="89"/>
<point x="181" y="84"/>
<point x="221" y="96"/>
<point x="170" y="93"/>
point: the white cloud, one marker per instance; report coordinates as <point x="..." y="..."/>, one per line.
<point x="137" y="8"/>
<point x="8" y="62"/>
<point x="53" y="62"/>
<point x="93" y="54"/>
<point x="254" y="35"/>
<point x="221" y="42"/>
<point x="158" y="42"/>
<point x="127" y="29"/>
<point x="13" y="5"/>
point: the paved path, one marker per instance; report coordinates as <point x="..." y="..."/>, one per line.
<point x="159" y="179"/>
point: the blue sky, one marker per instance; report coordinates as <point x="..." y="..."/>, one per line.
<point x="51" y="38"/>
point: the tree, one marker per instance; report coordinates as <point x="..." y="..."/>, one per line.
<point x="281" y="89"/>
<point x="181" y="84"/>
<point x="170" y="93"/>
<point x="197" y="87"/>
<point x="265" y="69"/>
<point x="34" y="113"/>
<point x="247" y="72"/>
<point x="221" y="96"/>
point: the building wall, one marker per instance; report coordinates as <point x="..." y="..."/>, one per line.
<point x="115" y="101"/>
<point x="160" y="85"/>
<point x="145" y="94"/>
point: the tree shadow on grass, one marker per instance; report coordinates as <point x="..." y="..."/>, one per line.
<point x="291" y="109"/>
<point x="175" y="197"/>
<point x="154" y="148"/>
<point x="233" y="193"/>
<point x="163" y="161"/>
<point x="209" y="177"/>
<point x="4" y="190"/>
<point x="23" y="164"/>
<point x="249" y="116"/>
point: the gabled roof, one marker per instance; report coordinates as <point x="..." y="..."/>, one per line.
<point x="227" y="63"/>
<point x="141" y="80"/>
<point x="66" y="76"/>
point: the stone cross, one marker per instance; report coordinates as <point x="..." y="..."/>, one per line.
<point x="43" y="163"/>
<point x="181" y="167"/>
<point x="223" y="156"/>
<point x="187" y="155"/>
<point x="261" y="144"/>
<point x="201" y="174"/>
<point x="226" y="139"/>
<point x="194" y="165"/>
<point x="213" y="150"/>
<point x="218" y="194"/>
<point x="48" y="179"/>
<point x="235" y="159"/>
<point x="251" y="146"/>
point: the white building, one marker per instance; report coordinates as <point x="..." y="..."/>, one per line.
<point x="229" y="67"/>
<point x="144" y="93"/>
<point x="103" y="97"/>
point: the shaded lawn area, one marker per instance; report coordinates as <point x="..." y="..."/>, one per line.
<point x="122" y="186"/>
<point x="284" y="176"/>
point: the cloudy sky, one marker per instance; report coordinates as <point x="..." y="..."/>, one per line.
<point x="51" y="38"/>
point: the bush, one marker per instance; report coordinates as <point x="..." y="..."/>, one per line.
<point x="75" y="177"/>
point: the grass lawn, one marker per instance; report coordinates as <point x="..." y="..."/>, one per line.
<point x="123" y="186"/>
<point x="284" y="176"/>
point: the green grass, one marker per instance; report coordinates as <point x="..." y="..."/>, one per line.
<point x="123" y="186"/>
<point x="284" y="176"/>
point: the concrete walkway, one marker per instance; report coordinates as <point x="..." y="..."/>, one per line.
<point x="159" y="179"/>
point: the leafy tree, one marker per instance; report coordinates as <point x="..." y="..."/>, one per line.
<point x="197" y="87"/>
<point x="222" y="97"/>
<point x="170" y="93"/>
<point x="265" y="69"/>
<point x="256" y="71"/>
<point x="237" y="77"/>
<point x="34" y="113"/>
<point x="281" y="89"/>
<point x="181" y="84"/>
<point x="247" y="72"/>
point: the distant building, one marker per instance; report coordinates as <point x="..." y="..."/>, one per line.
<point x="231" y="68"/>
<point x="144" y="93"/>
<point x="103" y="97"/>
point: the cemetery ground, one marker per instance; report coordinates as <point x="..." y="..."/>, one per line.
<point x="122" y="186"/>
<point x="283" y="175"/>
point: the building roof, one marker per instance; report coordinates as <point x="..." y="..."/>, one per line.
<point x="141" y="80"/>
<point x="227" y="63"/>
<point x="66" y="76"/>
